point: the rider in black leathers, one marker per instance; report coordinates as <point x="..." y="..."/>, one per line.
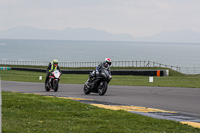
<point x="106" y="64"/>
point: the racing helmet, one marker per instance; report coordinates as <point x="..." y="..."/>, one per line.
<point x="55" y="62"/>
<point x="108" y="61"/>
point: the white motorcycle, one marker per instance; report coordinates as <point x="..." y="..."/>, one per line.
<point x="53" y="81"/>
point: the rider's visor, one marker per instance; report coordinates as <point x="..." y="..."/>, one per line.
<point x="56" y="64"/>
<point x="106" y="64"/>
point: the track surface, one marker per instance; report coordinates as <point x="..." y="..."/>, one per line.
<point x="182" y="100"/>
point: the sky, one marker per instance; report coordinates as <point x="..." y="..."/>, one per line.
<point x="140" y="18"/>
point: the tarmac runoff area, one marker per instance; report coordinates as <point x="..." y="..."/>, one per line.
<point x="150" y="112"/>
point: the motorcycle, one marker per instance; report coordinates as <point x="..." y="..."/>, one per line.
<point x="99" y="84"/>
<point x="53" y="81"/>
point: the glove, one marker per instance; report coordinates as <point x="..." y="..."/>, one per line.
<point x="50" y="72"/>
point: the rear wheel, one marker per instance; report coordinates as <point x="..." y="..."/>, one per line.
<point x="102" y="89"/>
<point x="86" y="90"/>
<point x="55" y="87"/>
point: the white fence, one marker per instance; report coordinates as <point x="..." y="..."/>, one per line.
<point x="190" y="70"/>
<point x="186" y="70"/>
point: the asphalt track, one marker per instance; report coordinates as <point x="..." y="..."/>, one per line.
<point x="182" y="100"/>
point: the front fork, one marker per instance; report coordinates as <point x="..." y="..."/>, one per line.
<point x="50" y="82"/>
<point x="101" y="85"/>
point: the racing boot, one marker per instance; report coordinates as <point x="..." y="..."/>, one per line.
<point x="47" y="78"/>
<point x="88" y="83"/>
<point x="46" y="81"/>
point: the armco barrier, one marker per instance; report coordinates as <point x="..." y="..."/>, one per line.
<point x="4" y="68"/>
<point x="114" y="72"/>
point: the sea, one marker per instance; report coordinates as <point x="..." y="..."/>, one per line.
<point x="175" y="54"/>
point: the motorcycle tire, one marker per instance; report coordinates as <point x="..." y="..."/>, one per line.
<point x="86" y="90"/>
<point x="47" y="88"/>
<point x="102" y="90"/>
<point x="55" y="87"/>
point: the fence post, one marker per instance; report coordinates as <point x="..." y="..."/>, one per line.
<point x="148" y="63"/>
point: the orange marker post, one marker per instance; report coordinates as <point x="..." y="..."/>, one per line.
<point x="158" y="73"/>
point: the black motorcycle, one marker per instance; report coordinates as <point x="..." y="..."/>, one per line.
<point x="99" y="84"/>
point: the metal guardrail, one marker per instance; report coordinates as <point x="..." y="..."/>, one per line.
<point x="190" y="70"/>
<point x="186" y="70"/>
<point x="24" y="63"/>
<point x="89" y="64"/>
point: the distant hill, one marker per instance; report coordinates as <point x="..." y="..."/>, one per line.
<point x="184" y="36"/>
<point x="65" y="34"/>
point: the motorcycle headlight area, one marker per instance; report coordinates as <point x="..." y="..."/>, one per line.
<point x="104" y="74"/>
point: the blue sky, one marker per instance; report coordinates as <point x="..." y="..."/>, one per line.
<point x="139" y="18"/>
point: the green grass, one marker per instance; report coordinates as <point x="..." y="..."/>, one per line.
<point x="26" y="113"/>
<point x="175" y="80"/>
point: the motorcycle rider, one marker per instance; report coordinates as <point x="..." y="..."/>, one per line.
<point x="106" y="64"/>
<point x="52" y="67"/>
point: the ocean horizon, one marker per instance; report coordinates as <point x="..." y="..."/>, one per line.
<point x="174" y="54"/>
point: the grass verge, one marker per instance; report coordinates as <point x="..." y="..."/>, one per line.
<point x="26" y="113"/>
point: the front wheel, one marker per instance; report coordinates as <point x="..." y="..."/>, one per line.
<point x="55" y="86"/>
<point x="46" y="87"/>
<point x="86" y="90"/>
<point x="103" y="88"/>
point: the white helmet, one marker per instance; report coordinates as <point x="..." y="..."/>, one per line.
<point x="108" y="60"/>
